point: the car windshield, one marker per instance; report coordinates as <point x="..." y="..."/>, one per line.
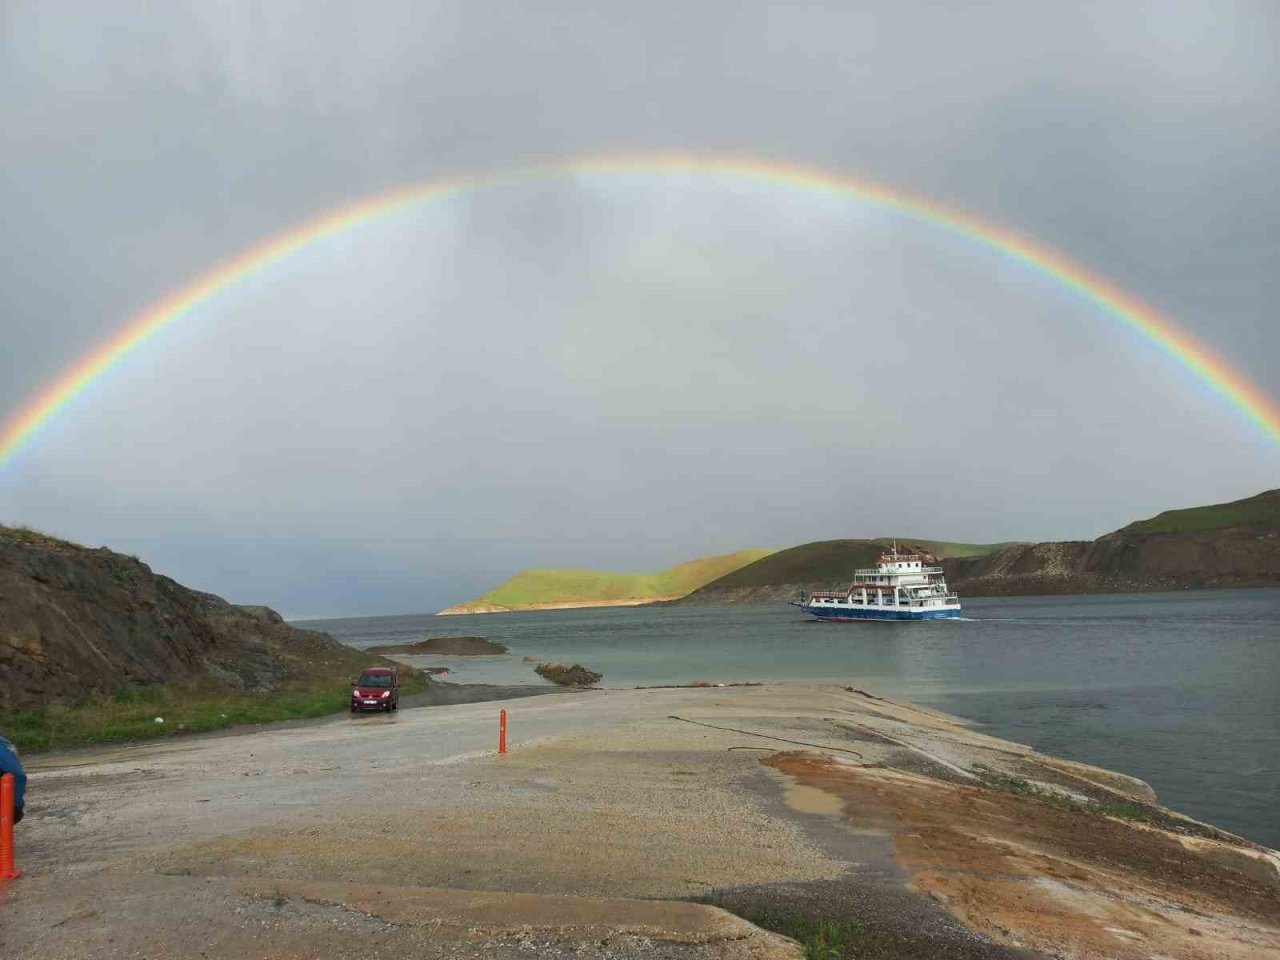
<point x="375" y="680"/>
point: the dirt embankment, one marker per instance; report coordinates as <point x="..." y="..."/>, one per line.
<point x="447" y="646"/>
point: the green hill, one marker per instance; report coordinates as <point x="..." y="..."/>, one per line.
<point x="1221" y="545"/>
<point x="542" y="587"/>
<point x="834" y="561"/>
<point x="1262" y="510"/>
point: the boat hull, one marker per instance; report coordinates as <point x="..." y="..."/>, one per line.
<point x="855" y="613"/>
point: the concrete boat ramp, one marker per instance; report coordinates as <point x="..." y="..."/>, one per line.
<point x="622" y="823"/>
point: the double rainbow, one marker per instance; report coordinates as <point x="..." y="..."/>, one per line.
<point x="1230" y="383"/>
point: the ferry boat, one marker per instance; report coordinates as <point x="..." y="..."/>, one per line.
<point x="901" y="586"/>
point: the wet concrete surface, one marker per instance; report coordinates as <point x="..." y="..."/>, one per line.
<point x="438" y="694"/>
<point x="715" y="795"/>
<point x="442" y="693"/>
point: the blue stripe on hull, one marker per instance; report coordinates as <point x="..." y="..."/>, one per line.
<point x="830" y="614"/>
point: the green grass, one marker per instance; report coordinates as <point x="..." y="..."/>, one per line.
<point x="22" y="533"/>
<point x="825" y="938"/>
<point x="131" y="713"/>
<point x="1125" y="810"/>
<point x="1122" y="809"/>
<point x="548" y="585"/>
<point x="947" y="549"/>
<point x="833" y="561"/>
<point x="1260" y="511"/>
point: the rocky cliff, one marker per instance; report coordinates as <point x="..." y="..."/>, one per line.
<point x="77" y="622"/>
<point x="1120" y="562"/>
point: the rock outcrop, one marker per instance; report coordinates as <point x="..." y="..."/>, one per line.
<point x="1122" y="562"/>
<point x="574" y="676"/>
<point x="78" y="622"/>
<point x="450" y="646"/>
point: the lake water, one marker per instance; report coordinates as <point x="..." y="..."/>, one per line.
<point x="1180" y="689"/>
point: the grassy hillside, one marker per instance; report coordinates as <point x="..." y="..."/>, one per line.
<point x="834" y="561"/>
<point x="546" y="585"/>
<point x="1262" y="510"/>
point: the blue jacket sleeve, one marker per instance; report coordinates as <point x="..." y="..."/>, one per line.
<point x="9" y="763"/>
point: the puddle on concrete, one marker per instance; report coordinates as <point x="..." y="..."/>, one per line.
<point x="803" y="798"/>
<point x="806" y="799"/>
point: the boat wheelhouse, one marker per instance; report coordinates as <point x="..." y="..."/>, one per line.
<point x="901" y="586"/>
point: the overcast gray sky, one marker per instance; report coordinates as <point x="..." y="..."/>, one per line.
<point x="624" y="371"/>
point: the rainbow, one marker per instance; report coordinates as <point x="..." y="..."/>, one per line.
<point x="1230" y="383"/>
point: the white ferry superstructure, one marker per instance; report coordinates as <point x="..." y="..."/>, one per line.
<point x="901" y="586"/>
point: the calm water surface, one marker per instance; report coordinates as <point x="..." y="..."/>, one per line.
<point x="1180" y="689"/>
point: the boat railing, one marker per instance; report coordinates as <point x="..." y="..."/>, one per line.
<point x="832" y="594"/>
<point x="877" y="572"/>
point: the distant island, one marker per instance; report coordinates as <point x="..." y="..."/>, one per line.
<point x="1223" y="545"/>
<point x="552" y="589"/>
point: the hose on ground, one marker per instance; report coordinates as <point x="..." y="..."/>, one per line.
<point x="765" y="736"/>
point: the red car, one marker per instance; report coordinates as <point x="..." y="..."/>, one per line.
<point x="377" y="688"/>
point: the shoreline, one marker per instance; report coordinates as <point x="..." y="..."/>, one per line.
<point x="446" y="693"/>
<point x="463" y="609"/>
<point x="439" y="693"/>
<point x="772" y="594"/>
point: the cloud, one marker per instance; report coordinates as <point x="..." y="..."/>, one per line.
<point x="621" y="370"/>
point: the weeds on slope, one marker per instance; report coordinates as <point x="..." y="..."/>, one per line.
<point x="823" y="938"/>
<point x="144" y="713"/>
<point x="1123" y="809"/>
